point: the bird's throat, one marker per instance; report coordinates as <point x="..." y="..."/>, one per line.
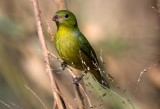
<point x="57" y="23"/>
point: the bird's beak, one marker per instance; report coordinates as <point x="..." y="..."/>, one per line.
<point x="55" y="18"/>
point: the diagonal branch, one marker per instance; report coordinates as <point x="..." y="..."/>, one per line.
<point x="54" y="87"/>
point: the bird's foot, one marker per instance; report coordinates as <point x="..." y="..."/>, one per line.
<point x="63" y="65"/>
<point x="76" y="80"/>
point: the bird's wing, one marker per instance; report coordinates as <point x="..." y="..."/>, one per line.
<point x="86" y="48"/>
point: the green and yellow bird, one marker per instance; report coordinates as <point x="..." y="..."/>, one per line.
<point x="73" y="47"/>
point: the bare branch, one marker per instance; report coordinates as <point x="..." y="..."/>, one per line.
<point x="45" y="54"/>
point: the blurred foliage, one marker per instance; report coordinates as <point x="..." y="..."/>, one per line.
<point x="115" y="45"/>
<point x="10" y="28"/>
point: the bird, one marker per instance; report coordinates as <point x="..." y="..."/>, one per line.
<point x="73" y="47"/>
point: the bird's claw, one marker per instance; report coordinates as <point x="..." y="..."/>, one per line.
<point x="76" y="80"/>
<point x="63" y="65"/>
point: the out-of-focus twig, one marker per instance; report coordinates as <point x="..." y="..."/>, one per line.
<point x="44" y="105"/>
<point x="45" y="54"/>
<point x="54" y="105"/>
<point x="141" y="75"/>
<point x="5" y="104"/>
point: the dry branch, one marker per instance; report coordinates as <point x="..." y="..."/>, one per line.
<point x="54" y="87"/>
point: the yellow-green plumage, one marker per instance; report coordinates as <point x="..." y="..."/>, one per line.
<point x="72" y="45"/>
<point x="66" y="45"/>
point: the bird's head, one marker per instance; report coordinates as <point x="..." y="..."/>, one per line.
<point x="65" y="17"/>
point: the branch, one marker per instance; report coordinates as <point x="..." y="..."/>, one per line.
<point x="45" y="54"/>
<point x="77" y="89"/>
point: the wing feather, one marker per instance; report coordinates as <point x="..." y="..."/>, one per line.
<point x="87" y="49"/>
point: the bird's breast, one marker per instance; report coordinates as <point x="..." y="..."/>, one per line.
<point x="67" y="45"/>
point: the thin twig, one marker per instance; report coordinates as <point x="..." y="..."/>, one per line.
<point x="70" y="107"/>
<point x="73" y="75"/>
<point x="54" y="105"/>
<point x="79" y="97"/>
<point x="51" y="54"/>
<point x="89" y="101"/>
<point x="141" y="75"/>
<point x="45" y="54"/>
<point x="7" y="105"/>
<point x="36" y="96"/>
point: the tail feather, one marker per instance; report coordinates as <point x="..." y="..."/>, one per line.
<point x="100" y="78"/>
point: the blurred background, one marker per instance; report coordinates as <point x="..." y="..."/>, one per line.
<point x="126" y="31"/>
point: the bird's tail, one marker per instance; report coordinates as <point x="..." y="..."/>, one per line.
<point x="100" y="78"/>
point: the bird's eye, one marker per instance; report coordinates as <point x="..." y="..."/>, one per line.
<point x="66" y="16"/>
